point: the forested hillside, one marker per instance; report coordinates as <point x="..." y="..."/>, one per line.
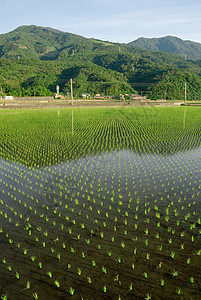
<point x="170" y="44"/>
<point x="33" y="60"/>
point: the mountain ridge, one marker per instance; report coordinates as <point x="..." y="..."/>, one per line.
<point x="169" y="44"/>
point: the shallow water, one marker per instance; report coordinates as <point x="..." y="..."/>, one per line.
<point x="113" y="225"/>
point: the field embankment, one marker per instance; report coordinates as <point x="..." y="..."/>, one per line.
<point x="39" y="102"/>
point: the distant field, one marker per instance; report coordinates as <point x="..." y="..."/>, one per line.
<point x="100" y="203"/>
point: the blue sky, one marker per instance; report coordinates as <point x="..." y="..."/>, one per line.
<point x="110" y="20"/>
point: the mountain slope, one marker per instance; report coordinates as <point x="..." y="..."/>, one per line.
<point x="33" y="60"/>
<point x="37" y="42"/>
<point x="170" y="44"/>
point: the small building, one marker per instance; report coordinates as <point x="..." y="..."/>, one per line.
<point x="86" y="96"/>
<point x="104" y="97"/>
<point x="137" y="97"/>
<point x="8" y="97"/>
<point x="98" y="96"/>
<point x="120" y="96"/>
<point x="58" y="96"/>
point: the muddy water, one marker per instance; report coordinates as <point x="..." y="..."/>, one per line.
<point x="116" y="225"/>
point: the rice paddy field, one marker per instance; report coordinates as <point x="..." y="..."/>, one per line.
<point x="100" y="203"/>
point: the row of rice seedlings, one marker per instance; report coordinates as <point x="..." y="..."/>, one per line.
<point x="109" y="214"/>
<point x="99" y="132"/>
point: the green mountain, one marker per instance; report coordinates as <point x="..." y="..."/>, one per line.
<point x="170" y="44"/>
<point x="33" y="60"/>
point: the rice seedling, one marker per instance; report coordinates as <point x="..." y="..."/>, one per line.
<point x="17" y="275"/>
<point x="174" y="273"/>
<point x="28" y="285"/>
<point x="33" y="258"/>
<point x="93" y="263"/>
<point x="40" y="265"/>
<point x="192" y="280"/>
<point x="178" y="291"/>
<point x="71" y="291"/>
<point x="49" y="274"/>
<point x="124" y="181"/>
<point x="162" y="282"/>
<point x="188" y="261"/>
<point x="148" y="297"/>
<point x="79" y="272"/>
<point x="9" y="268"/>
<point x="35" y="296"/>
<point x="57" y="284"/>
<point x="131" y="287"/>
<point x="3" y="261"/>
<point x="123" y="245"/>
<point x="89" y="280"/>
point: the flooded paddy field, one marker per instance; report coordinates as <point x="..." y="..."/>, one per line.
<point x="100" y="203"/>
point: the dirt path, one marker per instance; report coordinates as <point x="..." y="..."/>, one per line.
<point x="49" y="102"/>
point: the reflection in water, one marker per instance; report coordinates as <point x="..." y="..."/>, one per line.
<point x="137" y="206"/>
<point x="113" y="199"/>
<point x="72" y="122"/>
<point x="53" y="139"/>
<point x="124" y="172"/>
<point x="184" y="123"/>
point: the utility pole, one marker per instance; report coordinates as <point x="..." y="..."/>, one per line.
<point x="71" y="89"/>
